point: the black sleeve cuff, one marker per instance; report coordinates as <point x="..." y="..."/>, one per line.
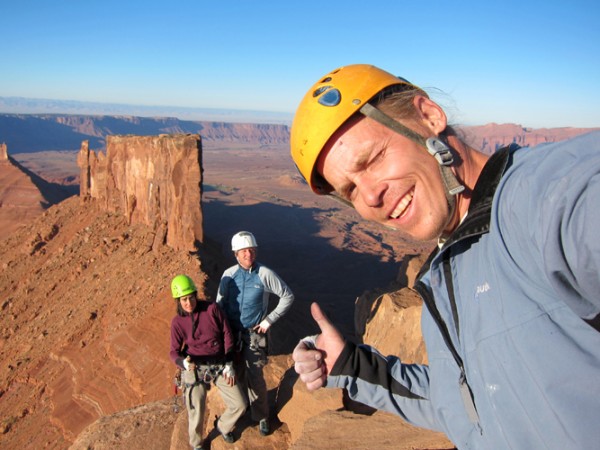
<point x="344" y="360"/>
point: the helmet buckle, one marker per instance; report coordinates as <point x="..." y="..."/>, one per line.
<point x="440" y="151"/>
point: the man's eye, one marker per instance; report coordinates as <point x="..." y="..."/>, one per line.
<point x="378" y="157"/>
<point x="348" y="191"/>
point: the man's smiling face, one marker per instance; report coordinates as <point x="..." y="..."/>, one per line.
<point x="387" y="177"/>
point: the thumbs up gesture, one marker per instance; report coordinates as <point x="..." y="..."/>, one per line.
<point x="315" y="356"/>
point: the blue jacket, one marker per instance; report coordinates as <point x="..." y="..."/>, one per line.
<point x="514" y="361"/>
<point x="244" y="295"/>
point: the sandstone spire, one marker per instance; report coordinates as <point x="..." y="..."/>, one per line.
<point x="155" y="180"/>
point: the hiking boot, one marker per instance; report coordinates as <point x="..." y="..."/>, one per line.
<point x="227" y="437"/>
<point x="263" y="427"/>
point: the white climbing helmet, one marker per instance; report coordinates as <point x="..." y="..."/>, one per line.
<point x="241" y="240"/>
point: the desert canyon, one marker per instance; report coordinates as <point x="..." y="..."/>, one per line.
<point x="99" y="213"/>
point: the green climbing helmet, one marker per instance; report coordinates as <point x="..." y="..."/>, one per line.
<point x="182" y="285"/>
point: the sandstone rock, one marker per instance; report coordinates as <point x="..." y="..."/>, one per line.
<point x="491" y="137"/>
<point x="3" y="153"/>
<point x="23" y="194"/>
<point x="334" y="430"/>
<point x="154" y="180"/>
<point x="298" y="405"/>
<point x="369" y="302"/>
<point x="409" y="269"/>
<point x="394" y="327"/>
<point x="146" y="426"/>
<point x="87" y="320"/>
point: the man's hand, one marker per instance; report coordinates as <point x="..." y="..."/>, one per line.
<point x="229" y="374"/>
<point x="313" y="362"/>
<point x="263" y="326"/>
<point x="188" y="364"/>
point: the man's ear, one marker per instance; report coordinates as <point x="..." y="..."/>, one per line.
<point x="431" y="114"/>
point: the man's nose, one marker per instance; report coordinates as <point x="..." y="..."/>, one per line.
<point x="372" y="191"/>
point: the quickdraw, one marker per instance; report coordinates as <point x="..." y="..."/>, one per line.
<point x="176" y="386"/>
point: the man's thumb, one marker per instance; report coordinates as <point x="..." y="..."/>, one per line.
<point x="321" y="319"/>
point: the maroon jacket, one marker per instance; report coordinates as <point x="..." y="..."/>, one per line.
<point x="204" y="335"/>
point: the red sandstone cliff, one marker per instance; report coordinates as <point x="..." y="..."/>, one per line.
<point x="27" y="133"/>
<point x="85" y="305"/>
<point x="154" y="180"/>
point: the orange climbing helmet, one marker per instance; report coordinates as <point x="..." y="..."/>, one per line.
<point x="326" y="106"/>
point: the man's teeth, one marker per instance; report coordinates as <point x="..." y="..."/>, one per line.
<point x="402" y="205"/>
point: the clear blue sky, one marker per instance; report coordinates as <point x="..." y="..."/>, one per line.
<point x="527" y="62"/>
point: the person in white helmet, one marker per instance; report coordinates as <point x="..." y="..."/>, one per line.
<point x="512" y="292"/>
<point x="244" y="296"/>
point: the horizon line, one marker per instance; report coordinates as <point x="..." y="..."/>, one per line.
<point x="34" y="105"/>
<point x="18" y="105"/>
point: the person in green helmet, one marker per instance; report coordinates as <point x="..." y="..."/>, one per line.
<point x="202" y="345"/>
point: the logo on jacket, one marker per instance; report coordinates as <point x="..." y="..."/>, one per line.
<point x="482" y="289"/>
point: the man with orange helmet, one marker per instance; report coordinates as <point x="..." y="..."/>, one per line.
<point x="512" y="310"/>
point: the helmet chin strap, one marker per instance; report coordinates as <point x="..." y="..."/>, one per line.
<point x="435" y="146"/>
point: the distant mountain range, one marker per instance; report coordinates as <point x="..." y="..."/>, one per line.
<point x="22" y="105"/>
<point x="29" y="133"/>
<point x="489" y="138"/>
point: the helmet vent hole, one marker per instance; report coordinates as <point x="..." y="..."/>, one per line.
<point x="319" y="91"/>
<point x="332" y="97"/>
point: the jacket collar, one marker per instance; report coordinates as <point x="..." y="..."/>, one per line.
<point x="478" y="218"/>
<point x="477" y="221"/>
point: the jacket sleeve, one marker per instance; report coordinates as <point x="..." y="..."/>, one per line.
<point x="551" y="210"/>
<point x="277" y="286"/>
<point x="177" y="339"/>
<point x="222" y="291"/>
<point x="384" y="383"/>
<point x="573" y="260"/>
<point x="228" y="337"/>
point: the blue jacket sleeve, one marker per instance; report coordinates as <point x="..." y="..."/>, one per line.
<point x="275" y="285"/>
<point x="551" y="213"/>
<point x="384" y="383"/>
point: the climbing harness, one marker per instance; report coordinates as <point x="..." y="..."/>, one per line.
<point x="254" y="340"/>
<point x="202" y="373"/>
